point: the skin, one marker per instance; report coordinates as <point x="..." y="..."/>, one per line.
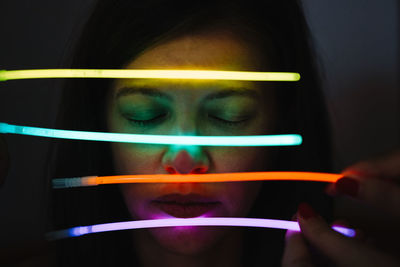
<point x="191" y="108"/>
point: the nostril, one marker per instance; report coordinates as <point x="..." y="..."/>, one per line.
<point x="199" y="170"/>
<point x="170" y="170"/>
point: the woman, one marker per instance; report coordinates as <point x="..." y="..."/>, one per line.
<point x="227" y="35"/>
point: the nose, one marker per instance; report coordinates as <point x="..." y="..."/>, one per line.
<point x="182" y="159"/>
<point x="190" y="160"/>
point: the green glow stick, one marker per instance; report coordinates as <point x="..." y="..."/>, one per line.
<point x="148" y="74"/>
<point x="250" y="140"/>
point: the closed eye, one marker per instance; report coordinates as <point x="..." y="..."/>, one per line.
<point x="147" y="121"/>
<point x="231" y="121"/>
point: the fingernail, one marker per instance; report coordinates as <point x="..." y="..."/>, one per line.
<point x="306" y="211"/>
<point x="347" y="186"/>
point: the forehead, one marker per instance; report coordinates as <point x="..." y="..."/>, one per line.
<point x="219" y="49"/>
<point x="211" y="50"/>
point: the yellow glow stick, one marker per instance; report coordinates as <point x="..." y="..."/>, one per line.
<point x="196" y="178"/>
<point x="148" y="74"/>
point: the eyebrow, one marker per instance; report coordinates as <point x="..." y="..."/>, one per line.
<point x="153" y="92"/>
<point x="124" y="91"/>
<point x="233" y="92"/>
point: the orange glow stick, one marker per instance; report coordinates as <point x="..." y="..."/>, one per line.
<point x="196" y="178"/>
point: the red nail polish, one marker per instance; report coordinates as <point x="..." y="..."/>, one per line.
<point x="306" y="211"/>
<point x="347" y="186"/>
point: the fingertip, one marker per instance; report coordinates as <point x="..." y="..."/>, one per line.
<point x="310" y="222"/>
<point x="347" y="186"/>
<point x="296" y="251"/>
<point x="352" y="173"/>
<point x="305" y="211"/>
<point x="360" y="170"/>
<point x="291" y="233"/>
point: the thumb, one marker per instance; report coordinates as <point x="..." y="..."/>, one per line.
<point x="296" y="253"/>
<point x="340" y="249"/>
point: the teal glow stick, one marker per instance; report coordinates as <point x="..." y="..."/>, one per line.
<point x="251" y="140"/>
<point x="6" y="75"/>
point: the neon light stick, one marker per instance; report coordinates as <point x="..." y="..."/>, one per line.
<point x="196" y="178"/>
<point x="251" y="140"/>
<point x="212" y="221"/>
<point x="148" y="74"/>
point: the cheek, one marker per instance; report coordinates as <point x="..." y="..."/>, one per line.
<point x="239" y="197"/>
<point x="136" y="159"/>
<point x="135" y="196"/>
<point x="239" y="159"/>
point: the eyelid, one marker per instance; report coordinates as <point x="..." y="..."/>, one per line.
<point x="147" y="122"/>
<point x="230" y="116"/>
<point x="228" y="122"/>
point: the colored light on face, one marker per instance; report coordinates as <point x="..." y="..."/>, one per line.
<point x="254" y="140"/>
<point x="148" y="74"/>
<point x="196" y="178"/>
<point x="212" y="221"/>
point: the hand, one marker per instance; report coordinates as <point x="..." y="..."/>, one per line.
<point x="4" y="160"/>
<point x="374" y="183"/>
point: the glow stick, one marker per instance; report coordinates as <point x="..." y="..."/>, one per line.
<point x="196" y="178"/>
<point x="148" y="74"/>
<point x="212" y="221"/>
<point x="250" y="140"/>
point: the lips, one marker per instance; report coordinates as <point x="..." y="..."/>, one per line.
<point x="185" y="206"/>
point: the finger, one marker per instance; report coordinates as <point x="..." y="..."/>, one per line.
<point x="342" y="250"/>
<point x="4" y="160"/>
<point x="381" y="194"/>
<point x="385" y="167"/>
<point x="296" y="253"/>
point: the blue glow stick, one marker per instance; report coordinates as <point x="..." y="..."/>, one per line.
<point x="251" y="140"/>
<point x="211" y="221"/>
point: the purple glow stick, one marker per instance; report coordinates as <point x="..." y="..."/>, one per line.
<point x="211" y="221"/>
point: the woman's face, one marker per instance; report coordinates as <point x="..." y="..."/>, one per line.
<point x="187" y="107"/>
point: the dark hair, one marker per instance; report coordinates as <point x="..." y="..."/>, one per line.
<point x="119" y="31"/>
